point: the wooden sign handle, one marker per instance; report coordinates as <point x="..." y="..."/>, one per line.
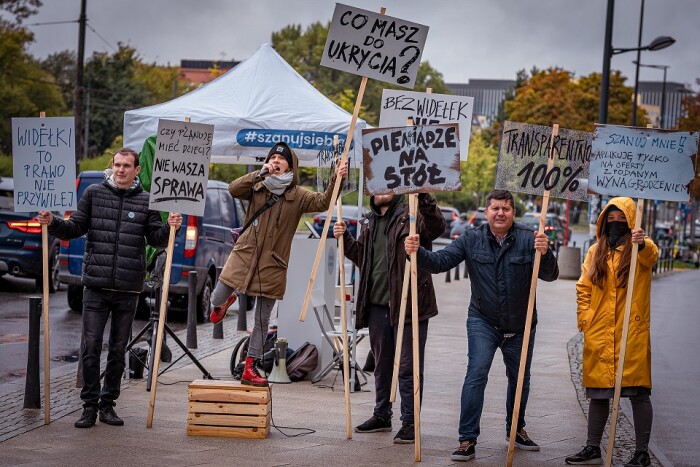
<point x="402" y="310"/>
<point x="47" y="330"/>
<point x="344" y="327"/>
<point x="45" y="311"/>
<point x="161" y="324"/>
<point x="412" y="205"/>
<point x="399" y="331"/>
<point x="336" y="190"/>
<point x="530" y="311"/>
<point x="623" y="342"/>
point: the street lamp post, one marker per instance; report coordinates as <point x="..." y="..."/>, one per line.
<point x="662" y="109"/>
<point x="659" y="43"/>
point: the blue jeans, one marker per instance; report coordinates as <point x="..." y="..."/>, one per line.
<point x="98" y="304"/>
<point x="483" y="340"/>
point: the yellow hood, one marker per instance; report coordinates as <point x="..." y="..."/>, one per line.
<point x="625" y="204"/>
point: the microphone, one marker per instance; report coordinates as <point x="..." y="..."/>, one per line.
<point x="262" y="173"/>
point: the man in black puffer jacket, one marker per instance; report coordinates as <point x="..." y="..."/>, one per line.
<point x="500" y="257"/>
<point x="116" y="218"/>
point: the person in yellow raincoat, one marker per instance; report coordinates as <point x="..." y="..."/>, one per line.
<point x="601" y="293"/>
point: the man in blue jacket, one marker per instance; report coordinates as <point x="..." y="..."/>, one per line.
<point x="500" y="257"/>
<point x="115" y="216"/>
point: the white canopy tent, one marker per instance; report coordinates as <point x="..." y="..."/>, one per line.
<point x="261" y="101"/>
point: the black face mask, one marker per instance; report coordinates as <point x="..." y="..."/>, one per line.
<point x="616" y="230"/>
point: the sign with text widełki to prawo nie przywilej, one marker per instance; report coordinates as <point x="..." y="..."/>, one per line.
<point x="43" y="163"/>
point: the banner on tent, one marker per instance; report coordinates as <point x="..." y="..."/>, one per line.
<point x="181" y="167"/>
<point x="413" y="159"/>
<point x="377" y="46"/>
<point x="643" y="162"/>
<point x="428" y="109"/>
<point x="43" y="163"/>
<point x="524" y="153"/>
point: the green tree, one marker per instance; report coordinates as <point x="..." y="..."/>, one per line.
<point x="303" y="51"/>
<point x="159" y="82"/>
<point x="62" y="66"/>
<point x="690" y="121"/>
<point x="479" y="171"/>
<point x="25" y="89"/>
<point x="556" y="96"/>
<point x="20" y="9"/>
<point x="113" y="89"/>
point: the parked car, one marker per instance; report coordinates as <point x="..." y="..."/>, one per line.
<point x="202" y="245"/>
<point x="450" y="214"/>
<point x="553" y="227"/>
<point x="349" y="216"/>
<point x="459" y="226"/>
<point x="478" y="218"/>
<point x="20" y="242"/>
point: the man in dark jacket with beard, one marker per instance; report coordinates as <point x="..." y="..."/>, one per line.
<point x="379" y="254"/>
<point x="115" y="216"/>
<point x="499" y="256"/>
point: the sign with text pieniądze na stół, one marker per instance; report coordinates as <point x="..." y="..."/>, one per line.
<point x="412" y="159"/>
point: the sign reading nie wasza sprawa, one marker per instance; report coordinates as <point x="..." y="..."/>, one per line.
<point x="377" y="46"/>
<point x="428" y="109"/>
<point x="525" y="151"/>
<point x="181" y="167"/>
<point x="43" y="160"/>
<point x="413" y="159"/>
<point x="643" y="163"/>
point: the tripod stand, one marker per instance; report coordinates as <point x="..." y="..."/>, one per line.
<point x="152" y="325"/>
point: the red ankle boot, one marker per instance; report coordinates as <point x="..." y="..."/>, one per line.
<point x="250" y="376"/>
<point x="218" y="313"/>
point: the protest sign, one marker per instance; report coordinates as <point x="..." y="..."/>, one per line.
<point x="643" y="163"/>
<point x="43" y="160"/>
<point x="181" y="167"/>
<point x="414" y="159"/>
<point x="428" y="109"/>
<point x="524" y="153"/>
<point x="377" y="46"/>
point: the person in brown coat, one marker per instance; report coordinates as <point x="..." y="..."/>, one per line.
<point x="257" y="265"/>
<point x="379" y="253"/>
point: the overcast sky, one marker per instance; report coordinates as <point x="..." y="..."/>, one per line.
<point x="467" y="38"/>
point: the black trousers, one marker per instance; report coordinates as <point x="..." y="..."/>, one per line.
<point x="382" y="338"/>
<point x="98" y="305"/>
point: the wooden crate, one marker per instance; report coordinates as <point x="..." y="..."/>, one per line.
<point x="229" y="409"/>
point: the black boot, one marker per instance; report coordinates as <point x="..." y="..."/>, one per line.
<point x="109" y="416"/>
<point x="87" y="418"/>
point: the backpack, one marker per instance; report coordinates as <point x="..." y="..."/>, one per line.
<point x="303" y="361"/>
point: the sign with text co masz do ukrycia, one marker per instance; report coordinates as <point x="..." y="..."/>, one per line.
<point x="412" y="159"/>
<point x="43" y="163"/>
<point x="428" y="109"/>
<point x="181" y="167"/>
<point x="525" y="151"/>
<point x="643" y="163"/>
<point x="377" y="46"/>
